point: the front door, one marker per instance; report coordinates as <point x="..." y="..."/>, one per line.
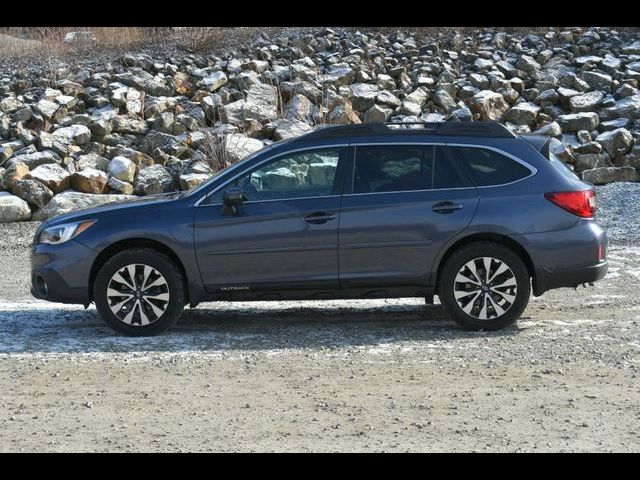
<point x="404" y="203"/>
<point x="284" y="235"/>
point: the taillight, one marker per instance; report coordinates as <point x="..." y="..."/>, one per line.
<point x="581" y="203"/>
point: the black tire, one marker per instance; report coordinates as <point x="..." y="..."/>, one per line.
<point x="172" y="282"/>
<point x="447" y="287"/>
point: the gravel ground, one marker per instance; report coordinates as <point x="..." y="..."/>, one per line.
<point x="379" y="375"/>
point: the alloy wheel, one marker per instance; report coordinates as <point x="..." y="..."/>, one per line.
<point x="138" y="294"/>
<point x="485" y="288"/>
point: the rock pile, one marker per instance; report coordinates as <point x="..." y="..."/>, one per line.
<point x="145" y="123"/>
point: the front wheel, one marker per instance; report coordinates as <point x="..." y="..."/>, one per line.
<point x="139" y="292"/>
<point x="484" y="286"/>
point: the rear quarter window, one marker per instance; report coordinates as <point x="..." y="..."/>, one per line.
<point x="487" y="167"/>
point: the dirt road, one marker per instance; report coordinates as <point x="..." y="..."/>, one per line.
<point x="322" y="376"/>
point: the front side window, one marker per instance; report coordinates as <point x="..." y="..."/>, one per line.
<point x="311" y="173"/>
<point x="487" y="167"/>
<point x="393" y="168"/>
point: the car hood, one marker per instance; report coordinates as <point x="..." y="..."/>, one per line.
<point x="115" y="208"/>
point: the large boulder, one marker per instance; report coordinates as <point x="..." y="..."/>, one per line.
<point x="523" y="113"/>
<point x="363" y="96"/>
<point x="70" y="201"/>
<point x="153" y="180"/>
<point x="12" y="174"/>
<point x="488" y="105"/>
<point x="122" y="168"/>
<point x="74" y="134"/>
<point x="33" y="160"/>
<point x="237" y="146"/>
<point x="89" y="180"/>
<point x="628" y="107"/>
<point x="213" y="82"/>
<point x="32" y="192"/>
<point x="616" y="142"/>
<point x="291" y="129"/>
<point x="143" y="80"/>
<point x="192" y="180"/>
<point x="575" y="122"/>
<point x="52" y="176"/>
<point x="13" y="209"/>
<point x="600" y="176"/>
<point x="586" y="102"/>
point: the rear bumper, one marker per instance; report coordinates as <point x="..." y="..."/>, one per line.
<point x="548" y="280"/>
<point x="567" y="258"/>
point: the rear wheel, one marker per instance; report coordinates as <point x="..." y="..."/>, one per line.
<point x="139" y="292"/>
<point x="484" y="286"/>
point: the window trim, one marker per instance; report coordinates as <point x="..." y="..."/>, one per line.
<point x="350" y="169"/>
<point x="215" y="190"/>
<point x="351" y="173"/>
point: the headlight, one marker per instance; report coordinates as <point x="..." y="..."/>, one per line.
<point x="65" y="232"/>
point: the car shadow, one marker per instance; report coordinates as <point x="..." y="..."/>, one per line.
<point x="219" y="327"/>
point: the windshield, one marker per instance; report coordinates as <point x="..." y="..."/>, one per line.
<point x="203" y="186"/>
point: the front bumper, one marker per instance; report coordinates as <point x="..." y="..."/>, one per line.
<point x="61" y="273"/>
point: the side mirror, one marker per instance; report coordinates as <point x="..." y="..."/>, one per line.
<point x="232" y="199"/>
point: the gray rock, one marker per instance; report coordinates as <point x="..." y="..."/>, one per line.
<point x="89" y="180"/>
<point x="75" y="134"/>
<point x="586" y="102"/>
<point x="153" y="180"/>
<point x="291" y="129"/>
<point x="192" y="180"/>
<point x="52" y="176"/>
<point x="13" y="209"/>
<point x="143" y="80"/>
<point x="33" y="160"/>
<point x="552" y="129"/>
<point x="597" y="80"/>
<point x="363" y="96"/>
<point x="377" y="114"/>
<point x="488" y="105"/>
<point x="588" y="161"/>
<point x="213" y="82"/>
<point x="527" y="64"/>
<point x="12" y="174"/>
<point x="599" y="176"/>
<point x="578" y="121"/>
<point x="32" y="192"/>
<point x="628" y="107"/>
<point x="92" y="160"/>
<point x="523" y="113"/>
<point x="237" y="146"/>
<point x="616" y="142"/>
<point x="119" y="186"/>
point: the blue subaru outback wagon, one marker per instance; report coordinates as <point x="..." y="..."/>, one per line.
<point x="466" y="211"/>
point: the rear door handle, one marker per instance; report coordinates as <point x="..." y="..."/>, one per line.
<point x="446" y="207"/>
<point x="319" y="217"/>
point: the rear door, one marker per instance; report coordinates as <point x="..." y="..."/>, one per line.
<point x="403" y="202"/>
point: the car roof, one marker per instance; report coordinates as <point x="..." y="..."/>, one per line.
<point x="411" y="129"/>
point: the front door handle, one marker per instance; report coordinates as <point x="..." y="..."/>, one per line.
<point x="446" y="207"/>
<point x="319" y="217"/>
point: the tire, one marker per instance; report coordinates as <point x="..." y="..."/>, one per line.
<point x="506" y="294"/>
<point x="153" y="304"/>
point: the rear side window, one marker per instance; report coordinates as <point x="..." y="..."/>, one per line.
<point x="487" y="167"/>
<point x="393" y="168"/>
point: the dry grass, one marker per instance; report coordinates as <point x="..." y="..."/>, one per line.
<point x="215" y="150"/>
